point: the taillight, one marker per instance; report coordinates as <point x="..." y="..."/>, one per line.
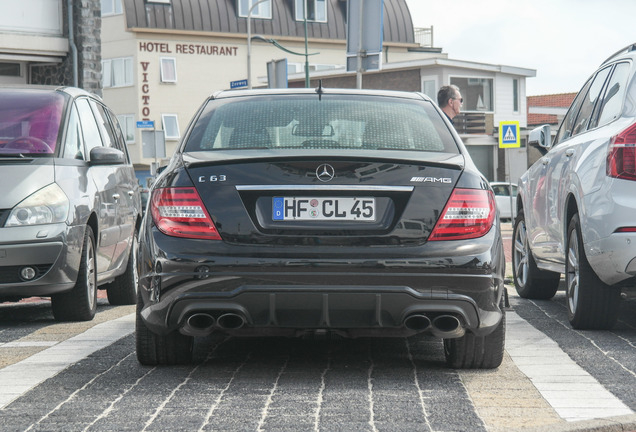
<point x="469" y="213"/>
<point x="621" y="155"/>
<point x="625" y="230"/>
<point x="179" y="212"/>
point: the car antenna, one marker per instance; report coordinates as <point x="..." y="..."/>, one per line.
<point x="319" y="90"/>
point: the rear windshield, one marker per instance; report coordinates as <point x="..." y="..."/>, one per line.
<point x="30" y="121"/>
<point x="329" y="122"/>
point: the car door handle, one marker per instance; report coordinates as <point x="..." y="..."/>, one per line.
<point x="545" y="160"/>
<point x="131" y="193"/>
<point x="116" y="197"/>
<point x="569" y="153"/>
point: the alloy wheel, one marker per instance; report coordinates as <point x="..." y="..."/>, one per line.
<point x="91" y="284"/>
<point x="520" y="254"/>
<point x="572" y="275"/>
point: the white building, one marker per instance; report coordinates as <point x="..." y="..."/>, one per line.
<point x="161" y="58"/>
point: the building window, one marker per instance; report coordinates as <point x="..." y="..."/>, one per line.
<point x="515" y="95"/>
<point x="429" y="87"/>
<point x="263" y="10"/>
<point x="111" y="7"/>
<point x="127" y="123"/>
<point x="477" y="93"/>
<point x="117" y="72"/>
<point x="10" y="69"/>
<point x="316" y="10"/>
<point x="159" y="1"/>
<point x="170" y="126"/>
<point x="168" y="69"/>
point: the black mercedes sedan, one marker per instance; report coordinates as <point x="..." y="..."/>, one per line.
<point x="350" y="212"/>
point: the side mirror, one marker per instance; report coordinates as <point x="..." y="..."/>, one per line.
<point x="541" y="137"/>
<point x="106" y="156"/>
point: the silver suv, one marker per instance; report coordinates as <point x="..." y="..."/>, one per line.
<point x="577" y="203"/>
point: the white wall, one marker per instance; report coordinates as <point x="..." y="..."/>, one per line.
<point x="504" y="100"/>
<point x="31" y="16"/>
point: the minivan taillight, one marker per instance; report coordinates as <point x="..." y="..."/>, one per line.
<point x="469" y="213"/>
<point x="179" y="212"/>
<point x="621" y="155"/>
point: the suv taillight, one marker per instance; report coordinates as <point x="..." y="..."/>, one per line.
<point x="621" y="155"/>
<point x="469" y="213"/>
<point x="179" y="212"/>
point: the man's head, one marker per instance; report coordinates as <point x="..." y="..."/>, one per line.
<point x="450" y="100"/>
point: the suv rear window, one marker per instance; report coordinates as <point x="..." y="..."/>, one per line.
<point x="329" y="122"/>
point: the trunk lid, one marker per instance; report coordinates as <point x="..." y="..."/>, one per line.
<point x="325" y="201"/>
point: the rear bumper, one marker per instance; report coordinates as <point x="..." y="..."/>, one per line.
<point x="365" y="296"/>
<point x="612" y="255"/>
<point x="613" y="258"/>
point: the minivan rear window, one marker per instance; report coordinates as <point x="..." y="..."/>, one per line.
<point x="329" y="122"/>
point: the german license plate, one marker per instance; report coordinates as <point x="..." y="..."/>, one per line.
<point x="323" y="208"/>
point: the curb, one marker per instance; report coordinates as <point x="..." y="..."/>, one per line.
<point x="626" y="423"/>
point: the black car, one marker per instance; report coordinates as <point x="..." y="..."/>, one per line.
<point x="286" y="212"/>
<point x="70" y="208"/>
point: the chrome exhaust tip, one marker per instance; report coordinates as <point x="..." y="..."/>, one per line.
<point x="417" y="322"/>
<point x="447" y="326"/>
<point x="231" y="321"/>
<point x="199" y="324"/>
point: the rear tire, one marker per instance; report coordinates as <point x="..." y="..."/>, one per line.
<point x="153" y="349"/>
<point x="123" y="290"/>
<point x="477" y="352"/>
<point x="80" y="303"/>
<point x="530" y="281"/>
<point x="591" y="304"/>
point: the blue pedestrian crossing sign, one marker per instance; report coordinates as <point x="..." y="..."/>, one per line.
<point x="509" y="134"/>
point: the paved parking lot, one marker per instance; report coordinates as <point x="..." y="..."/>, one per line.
<point x="84" y="376"/>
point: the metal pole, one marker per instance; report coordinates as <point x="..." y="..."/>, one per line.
<point x="359" y="57"/>
<point x="249" y="43"/>
<point x="306" y="54"/>
<point x="249" y="50"/>
<point x="512" y="215"/>
<point x="71" y="42"/>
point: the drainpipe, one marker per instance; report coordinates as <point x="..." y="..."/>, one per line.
<point x="71" y="41"/>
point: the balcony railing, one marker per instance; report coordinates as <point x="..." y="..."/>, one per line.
<point x="474" y="123"/>
<point x="424" y="36"/>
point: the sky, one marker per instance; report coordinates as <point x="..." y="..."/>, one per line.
<point x="563" y="40"/>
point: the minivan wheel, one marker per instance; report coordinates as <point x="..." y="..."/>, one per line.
<point x="591" y="303"/>
<point x="123" y="290"/>
<point x="80" y="303"/>
<point x="477" y="352"/>
<point x="153" y="349"/>
<point x="530" y="281"/>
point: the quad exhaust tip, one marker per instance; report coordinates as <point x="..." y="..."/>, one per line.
<point x="231" y="321"/>
<point x="444" y="326"/>
<point x="417" y="322"/>
<point x="199" y="324"/>
<point x="203" y="323"/>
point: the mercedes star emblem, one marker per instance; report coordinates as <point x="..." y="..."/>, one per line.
<point x="325" y="172"/>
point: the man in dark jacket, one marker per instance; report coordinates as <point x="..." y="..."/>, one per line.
<point x="450" y="101"/>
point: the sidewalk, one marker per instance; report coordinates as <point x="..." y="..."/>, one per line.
<point x="506" y="233"/>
